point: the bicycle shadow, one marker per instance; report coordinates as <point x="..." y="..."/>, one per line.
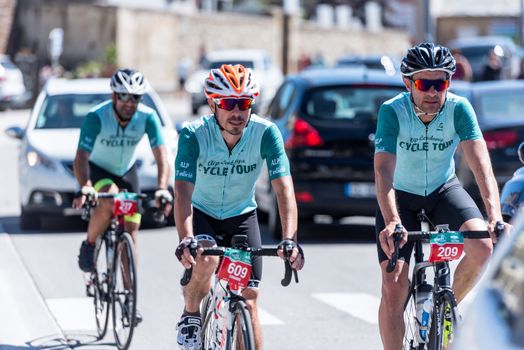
<point x="84" y="341"/>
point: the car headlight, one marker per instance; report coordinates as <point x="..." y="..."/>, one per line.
<point x="35" y="158"/>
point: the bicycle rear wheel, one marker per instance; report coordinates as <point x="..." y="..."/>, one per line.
<point x="410" y="338"/>
<point x="124" y="292"/>
<point x="444" y="323"/>
<point x="241" y="336"/>
<point x="101" y="287"/>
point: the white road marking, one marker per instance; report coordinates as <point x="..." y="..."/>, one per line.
<point x="73" y="313"/>
<point x="360" y="305"/>
<point x="266" y="319"/>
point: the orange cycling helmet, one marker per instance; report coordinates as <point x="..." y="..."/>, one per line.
<point x="231" y="81"/>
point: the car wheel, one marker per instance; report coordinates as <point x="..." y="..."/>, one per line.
<point x="30" y="221"/>
<point x="273" y="222"/>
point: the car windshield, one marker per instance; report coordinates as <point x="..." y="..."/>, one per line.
<point x="504" y="105"/>
<point x="68" y="111"/>
<point x="348" y="102"/>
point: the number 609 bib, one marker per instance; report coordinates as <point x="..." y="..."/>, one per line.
<point x="235" y="267"/>
<point x="446" y="246"/>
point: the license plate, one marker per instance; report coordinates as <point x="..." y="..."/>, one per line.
<point x="360" y="190"/>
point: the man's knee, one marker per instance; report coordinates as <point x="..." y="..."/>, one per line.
<point x="251" y="296"/>
<point x="479" y="250"/>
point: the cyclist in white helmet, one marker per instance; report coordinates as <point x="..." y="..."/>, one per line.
<point x="105" y="158"/>
<point x="219" y="159"/>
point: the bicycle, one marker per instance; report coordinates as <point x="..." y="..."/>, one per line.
<point x="226" y="323"/>
<point x="434" y="330"/>
<point x="114" y="281"/>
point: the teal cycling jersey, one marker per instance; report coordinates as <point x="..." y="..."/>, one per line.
<point x="225" y="179"/>
<point x="424" y="152"/>
<point x="111" y="146"/>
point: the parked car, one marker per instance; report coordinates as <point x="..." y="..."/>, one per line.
<point x="12" y="89"/>
<point x="328" y="119"/>
<point x="500" y="112"/>
<point x="380" y="62"/>
<point x="269" y="76"/>
<point x="49" y="143"/>
<point x="495" y="317"/>
<point x="476" y="50"/>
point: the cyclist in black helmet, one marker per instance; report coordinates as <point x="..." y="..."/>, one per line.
<point x="421" y="129"/>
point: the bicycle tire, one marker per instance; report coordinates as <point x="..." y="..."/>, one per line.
<point x="124" y="297"/>
<point x="101" y="288"/>
<point x="409" y="341"/>
<point x="444" y="322"/>
<point x="241" y="322"/>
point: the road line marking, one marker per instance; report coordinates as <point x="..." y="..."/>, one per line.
<point x="266" y="319"/>
<point x="73" y="313"/>
<point x="360" y="305"/>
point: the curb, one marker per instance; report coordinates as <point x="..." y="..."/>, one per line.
<point x="25" y="320"/>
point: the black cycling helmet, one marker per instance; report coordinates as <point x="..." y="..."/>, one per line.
<point x="427" y="57"/>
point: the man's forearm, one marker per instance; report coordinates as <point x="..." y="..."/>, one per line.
<point x="288" y="214"/>
<point x="81" y="170"/>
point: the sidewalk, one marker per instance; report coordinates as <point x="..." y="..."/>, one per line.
<point x="25" y="320"/>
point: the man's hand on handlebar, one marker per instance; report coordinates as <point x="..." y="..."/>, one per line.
<point x="386" y="239"/>
<point x="291" y="250"/>
<point x="499" y="229"/>
<point x="164" y="199"/>
<point x="80" y="198"/>
<point x="183" y="251"/>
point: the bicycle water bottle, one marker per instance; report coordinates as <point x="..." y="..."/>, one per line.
<point x="424" y="308"/>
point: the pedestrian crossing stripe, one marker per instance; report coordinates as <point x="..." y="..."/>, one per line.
<point x="360" y="305"/>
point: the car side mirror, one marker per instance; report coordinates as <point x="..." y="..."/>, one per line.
<point x="520" y="152"/>
<point x="15" y="132"/>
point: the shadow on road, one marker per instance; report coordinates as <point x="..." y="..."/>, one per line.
<point x="57" y="342"/>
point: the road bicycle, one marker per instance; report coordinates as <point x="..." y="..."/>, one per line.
<point x="435" y="323"/>
<point x="113" y="283"/>
<point x="226" y="322"/>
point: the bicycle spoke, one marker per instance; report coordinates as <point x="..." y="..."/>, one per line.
<point x="124" y="293"/>
<point x="410" y="338"/>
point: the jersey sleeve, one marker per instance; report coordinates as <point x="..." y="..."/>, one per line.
<point x="465" y="120"/>
<point x="186" y="157"/>
<point x="272" y="150"/>
<point x="154" y="130"/>
<point x="88" y="133"/>
<point x="387" y="130"/>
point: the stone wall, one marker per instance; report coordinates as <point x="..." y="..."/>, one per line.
<point x="7" y="9"/>
<point x="154" y="41"/>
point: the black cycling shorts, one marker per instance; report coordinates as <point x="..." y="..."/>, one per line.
<point x="128" y="181"/>
<point x="223" y="230"/>
<point x="449" y="204"/>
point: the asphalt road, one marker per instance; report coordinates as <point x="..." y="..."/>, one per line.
<point x="333" y="307"/>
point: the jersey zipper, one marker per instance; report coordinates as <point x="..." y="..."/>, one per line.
<point x="426" y="163"/>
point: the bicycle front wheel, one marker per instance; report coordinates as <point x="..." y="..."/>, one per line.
<point x="241" y="335"/>
<point x="101" y="287"/>
<point x="124" y="292"/>
<point x="444" y="323"/>
<point x="410" y="341"/>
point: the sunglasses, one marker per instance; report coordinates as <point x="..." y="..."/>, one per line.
<point x="426" y="84"/>
<point x="126" y="97"/>
<point x="229" y="103"/>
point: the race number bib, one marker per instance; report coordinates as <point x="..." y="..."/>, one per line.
<point x="446" y="246"/>
<point x="235" y="267"/>
<point x="125" y="204"/>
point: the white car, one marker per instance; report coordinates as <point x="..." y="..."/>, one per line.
<point x="495" y="317"/>
<point x="269" y="76"/>
<point x="49" y="144"/>
<point x="12" y="88"/>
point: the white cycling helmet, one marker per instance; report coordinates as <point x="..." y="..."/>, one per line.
<point x="128" y="81"/>
<point x="231" y="81"/>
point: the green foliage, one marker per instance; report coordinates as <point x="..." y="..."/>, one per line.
<point x="99" y="68"/>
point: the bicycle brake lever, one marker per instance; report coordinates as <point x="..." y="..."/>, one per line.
<point x="189" y="272"/>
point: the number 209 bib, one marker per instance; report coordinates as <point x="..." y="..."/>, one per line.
<point x="235" y="267"/>
<point x="446" y="246"/>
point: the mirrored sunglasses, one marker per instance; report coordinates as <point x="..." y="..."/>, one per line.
<point x="126" y="97"/>
<point x="426" y="84"/>
<point x="229" y="103"/>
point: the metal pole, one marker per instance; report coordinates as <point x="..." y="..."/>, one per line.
<point x="285" y="43"/>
